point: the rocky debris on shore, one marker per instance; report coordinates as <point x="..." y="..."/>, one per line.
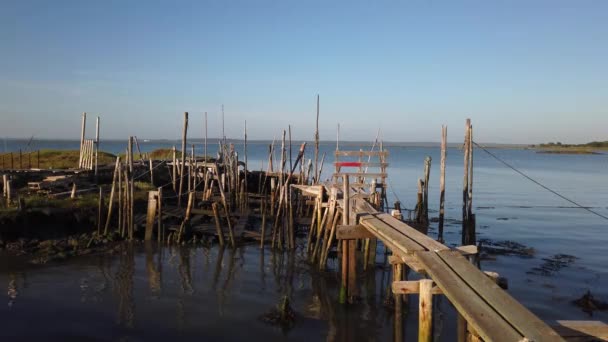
<point x="44" y="251"/>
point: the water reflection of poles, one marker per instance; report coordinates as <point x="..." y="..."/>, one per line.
<point x="152" y="270"/>
<point x="12" y="289"/>
<point x="124" y="287"/>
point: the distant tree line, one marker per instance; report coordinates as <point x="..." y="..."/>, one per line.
<point x="590" y="144"/>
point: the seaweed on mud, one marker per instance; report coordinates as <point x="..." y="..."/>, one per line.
<point x="588" y="303"/>
<point x="553" y="264"/>
<point x="282" y="315"/>
<point x="488" y="248"/>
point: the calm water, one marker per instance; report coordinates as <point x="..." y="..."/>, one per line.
<point x="150" y="294"/>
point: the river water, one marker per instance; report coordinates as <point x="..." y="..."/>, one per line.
<point x="147" y="293"/>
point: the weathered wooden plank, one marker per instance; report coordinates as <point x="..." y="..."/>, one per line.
<point x="467" y="250"/>
<point x="511" y="310"/>
<point x="583" y="329"/>
<point x="412" y="233"/>
<point x="387" y="233"/>
<point x="361" y="174"/>
<point x="490" y="325"/>
<point x="359" y="164"/>
<point x="353" y="232"/>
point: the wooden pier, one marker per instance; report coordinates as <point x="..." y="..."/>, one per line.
<point x="485" y="310"/>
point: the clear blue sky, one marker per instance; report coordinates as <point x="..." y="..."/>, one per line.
<point x="524" y="71"/>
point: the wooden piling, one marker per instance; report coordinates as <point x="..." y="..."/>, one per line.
<point x="316" y="179"/>
<point x="4" y="186"/>
<point x="444" y="138"/>
<point x="151" y="214"/>
<point x="425" y="311"/>
<point x="160" y="231"/>
<point x="73" y="193"/>
<point x="183" y="159"/>
<point x="99" y="210"/>
<point x="398" y="276"/>
<point x="344" y="295"/>
<point x="174" y="171"/>
<point x="151" y="171"/>
<point x="9" y="192"/>
<point x="96" y="143"/>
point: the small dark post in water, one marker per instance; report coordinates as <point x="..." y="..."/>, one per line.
<point x="183" y="160"/>
<point x="444" y="137"/>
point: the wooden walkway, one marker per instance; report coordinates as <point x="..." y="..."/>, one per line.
<point x="490" y="311"/>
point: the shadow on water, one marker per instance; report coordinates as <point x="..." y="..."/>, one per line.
<point x="148" y="292"/>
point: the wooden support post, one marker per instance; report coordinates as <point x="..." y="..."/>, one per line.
<point x="112" y="191"/>
<point x="465" y="184"/>
<point x="183" y="159"/>
<point x="427" y="173"/>
<point x="316" y="179"/>
<point x="444" y="138"/>
<point x="151" y="214"/>
<point x="151" y="172"/>
<point x="73" y="193"/>
<point x="263" y="231"/>
<point x="99" y="210"/>
<point x="9" y="192"/>
<point x="397" y="276"/>
<point x="218" y="225"/>
<point x="174" y="178"/>
<point x="96" y="144"/>
<point x="160" y="231"/>
<point x="425" y="311"/>
<point x="4" y="186"/>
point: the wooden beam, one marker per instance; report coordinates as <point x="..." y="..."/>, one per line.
<point x="353" y="232"/>
<point x="582" y="329"/>
<point x="411" y="287"/>
<point x="409" y="260"/>
<point x="467" y="250"/>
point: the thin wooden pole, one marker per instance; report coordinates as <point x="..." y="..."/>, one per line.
<point x="84" y="122"/>
<point x="99" y="208"/>
<point x="444" y="137"/>
<point x="96" y="144"/>
<point x="317" y="145"/>
<point x="345" y="245"/>
<point x="160" y="231"/>
<point x="465" y="183"/>
<point x="151" y="171"/>
<point x="206" y="137"/>
<point x="174" y="179"/>
<point x="111" y="201"/>
<point x="183" y="159"/>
